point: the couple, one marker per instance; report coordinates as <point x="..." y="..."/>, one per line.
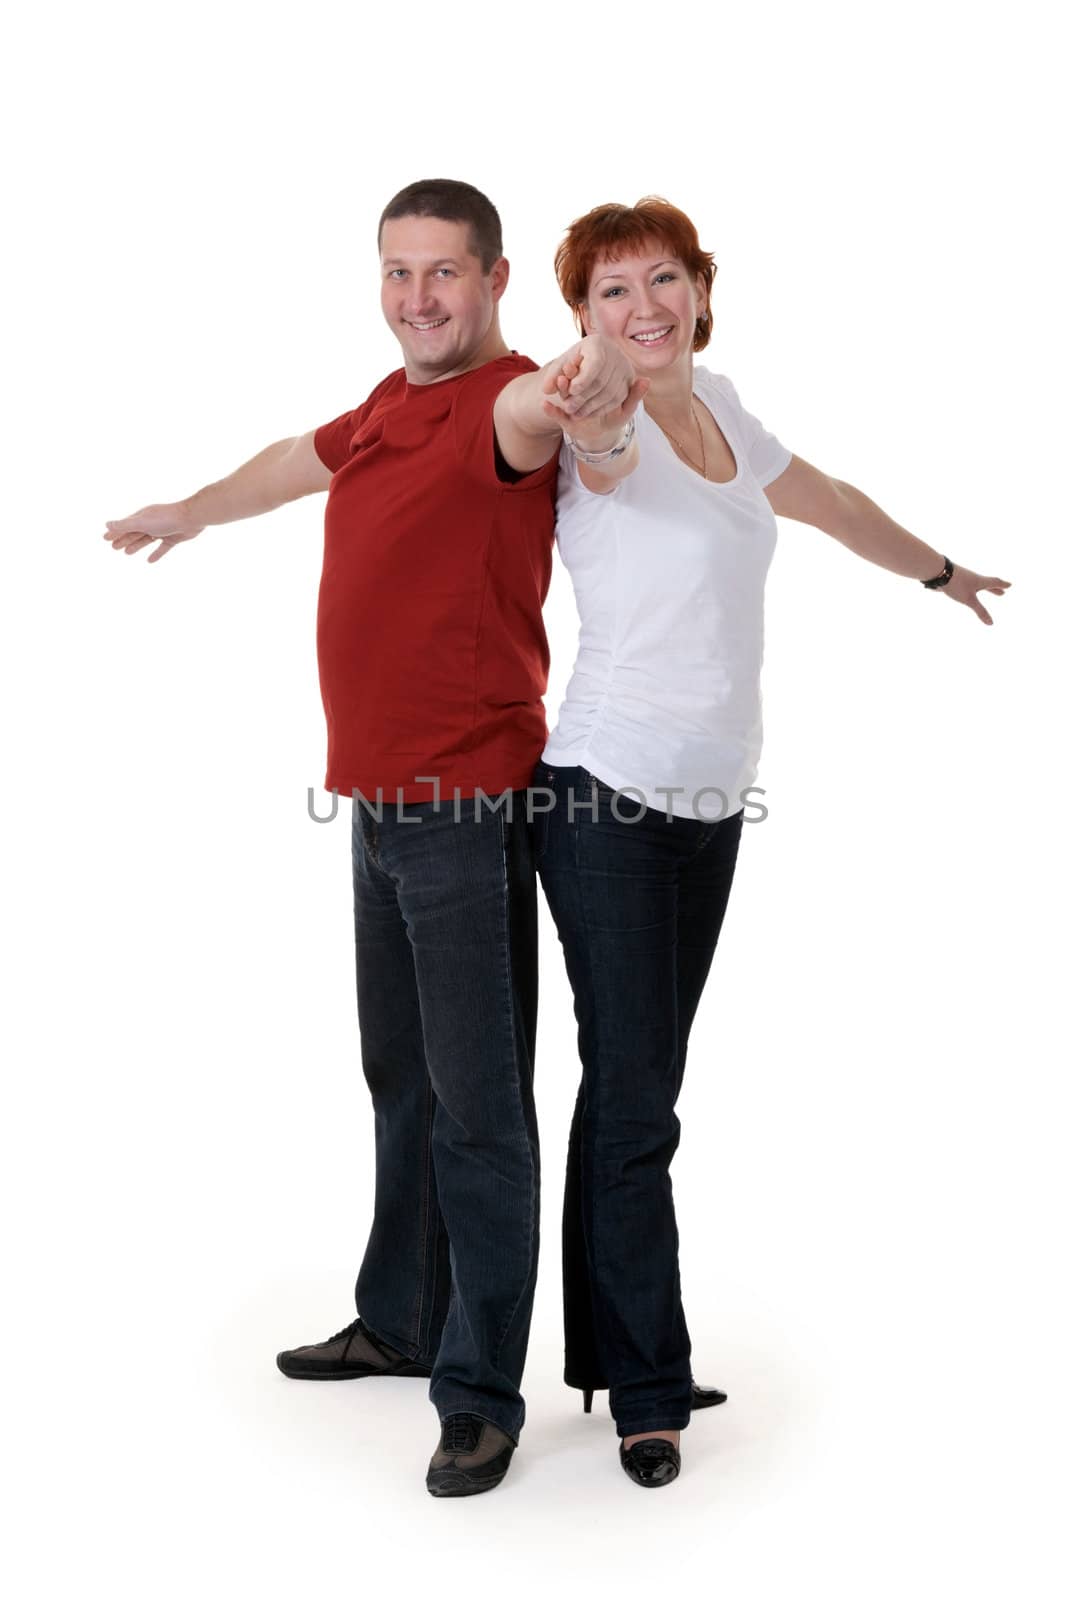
<point x="444" y="489"/>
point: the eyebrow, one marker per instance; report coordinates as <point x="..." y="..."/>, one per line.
<point x="671" y="261"/>
<point x="398" y="261"/>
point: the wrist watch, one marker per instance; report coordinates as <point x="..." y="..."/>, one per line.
<point x="942" y="578"/>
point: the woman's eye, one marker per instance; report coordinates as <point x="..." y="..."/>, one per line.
<point x="668" y="275"/>
<point x="608" y="293"/>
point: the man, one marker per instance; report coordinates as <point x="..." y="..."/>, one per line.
<point x="433" y="661"/>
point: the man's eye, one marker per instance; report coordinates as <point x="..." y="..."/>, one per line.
<point x="397" y="272"/>
<point x="446" y="271"/>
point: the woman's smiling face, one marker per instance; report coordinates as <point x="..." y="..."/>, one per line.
<point x="647" y="304"/>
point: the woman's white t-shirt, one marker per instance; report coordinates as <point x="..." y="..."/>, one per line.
<point x="669" y="573"/>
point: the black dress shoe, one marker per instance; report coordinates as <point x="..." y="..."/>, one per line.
<point x="352" y="1353"/>
<point x="651" y="1462"/>
<point x="701" y="1399"/>
<point x="473" y="1456"/>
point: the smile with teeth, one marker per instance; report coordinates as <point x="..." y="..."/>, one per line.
<point x="427" y="327"/>
<point x="654" y="336"/>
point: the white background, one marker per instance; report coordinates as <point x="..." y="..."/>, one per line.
<point x="868" y="1184"/>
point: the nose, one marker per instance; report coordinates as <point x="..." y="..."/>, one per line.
<point x="421" y="296"/>
<point x="643" y="304"/>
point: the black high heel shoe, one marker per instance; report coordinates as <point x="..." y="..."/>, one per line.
<point x="702" y="1398"/>
<point x="651" y="1462"/>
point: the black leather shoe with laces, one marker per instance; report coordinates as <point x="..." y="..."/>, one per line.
<point x="355" y="1352"/>
<point x="651" y="1462"/>
<point x="473" y="1456"/>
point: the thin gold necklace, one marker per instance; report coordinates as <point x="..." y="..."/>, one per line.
<point x="703" y="468"/>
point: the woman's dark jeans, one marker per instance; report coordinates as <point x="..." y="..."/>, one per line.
<point x="638" y="902"/>
<point x="446" y="982"/>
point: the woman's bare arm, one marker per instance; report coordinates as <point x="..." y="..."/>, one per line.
<point x="805" y="494"/>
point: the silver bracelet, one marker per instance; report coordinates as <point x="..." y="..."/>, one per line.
<point x="594" y="458"/>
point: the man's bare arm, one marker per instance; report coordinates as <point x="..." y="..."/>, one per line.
<point x="282" y="472"/>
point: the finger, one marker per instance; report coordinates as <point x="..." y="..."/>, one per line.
<point x="602" y="403"/>
<point x="157" y="555"/>
<point x="561" y="396"/>
<point x="564" y="404"/>
<point x="982" y="612"/>
<point x="602" y="396"/>
<point x="638" y="390"/>
<point x="591" y="372"/>
<point x="615" y="395"/>
<point x="562" y="372"/>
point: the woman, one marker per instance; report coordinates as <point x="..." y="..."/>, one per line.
<point x="667" y="526"/>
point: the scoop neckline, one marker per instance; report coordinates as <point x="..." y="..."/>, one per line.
<point x="712" y="483"/>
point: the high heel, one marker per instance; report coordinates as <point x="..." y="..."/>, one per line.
<point x="701" y="1399"/>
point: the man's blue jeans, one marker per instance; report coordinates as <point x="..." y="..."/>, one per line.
<point x="638" y="903"/>
<point x="446" y="980"/>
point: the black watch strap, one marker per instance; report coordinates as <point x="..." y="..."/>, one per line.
<point x="942" y="577"/>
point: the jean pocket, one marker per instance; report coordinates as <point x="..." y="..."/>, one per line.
<point x="620" y="805"/>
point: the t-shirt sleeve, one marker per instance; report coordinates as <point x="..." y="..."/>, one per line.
<point x="475" y="435"/>
<point x="333" y="441"/>
<point x="767" y="457"/>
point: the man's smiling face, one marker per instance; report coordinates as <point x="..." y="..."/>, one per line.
<point x="436" y="296"/>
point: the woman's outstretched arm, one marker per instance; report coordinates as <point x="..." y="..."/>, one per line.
<point x="805" y="494"/>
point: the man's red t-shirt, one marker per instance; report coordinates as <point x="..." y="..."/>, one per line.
<point x="432" y="650"/>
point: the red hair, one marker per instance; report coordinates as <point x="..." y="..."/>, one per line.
<point x="612" y="231"/>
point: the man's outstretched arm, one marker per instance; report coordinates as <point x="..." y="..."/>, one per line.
<point x="527" y="426"/>
<point x="282" y="472"/>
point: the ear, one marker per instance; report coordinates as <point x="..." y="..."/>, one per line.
<point x="499" y="273"/>
<point x="584" y="320"/>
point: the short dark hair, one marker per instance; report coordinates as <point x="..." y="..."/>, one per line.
<point x="451" y="201"/>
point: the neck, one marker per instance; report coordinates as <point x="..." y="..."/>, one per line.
<point x="492" y="347"/>
<point x="670" y="393"/>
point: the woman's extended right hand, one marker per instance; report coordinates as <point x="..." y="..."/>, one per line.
<point x="169" y="524"/>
